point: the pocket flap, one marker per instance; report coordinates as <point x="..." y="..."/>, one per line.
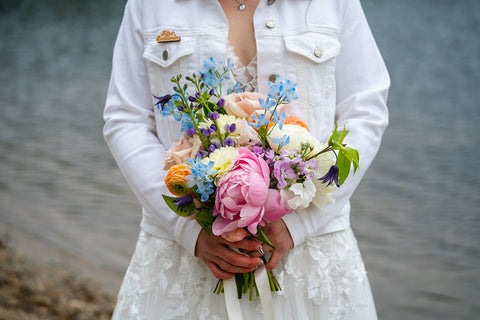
<point x="166" y="53"/>
<point x="314" y="46"/>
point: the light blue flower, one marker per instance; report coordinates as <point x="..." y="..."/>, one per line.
<point x="187" y="122"/>
<point x="283" y="90"/>
<point x="201" y="177"/>
<point x="214" y="72"/>
<point x="267" y="104"/>
<point x="282" y="141"/>
<point x="279" y="119"/>
<point x="259" y="121"/>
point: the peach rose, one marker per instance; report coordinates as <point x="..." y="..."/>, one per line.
<point x="183" y="148"/>
<point x="176" y="180"/>
<point x="242" y="105"/>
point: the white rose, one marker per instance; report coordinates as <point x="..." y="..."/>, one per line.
<point x="298" y="135"/>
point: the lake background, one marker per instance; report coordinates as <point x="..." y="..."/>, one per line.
<point x="416" y="214"/>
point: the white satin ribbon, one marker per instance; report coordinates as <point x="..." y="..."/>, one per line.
<point x="231" y="301"/>
<point x="233" y="304"/>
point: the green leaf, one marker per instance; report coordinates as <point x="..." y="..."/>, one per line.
<point x="343" y="165"/>
<point x="336" y="139"/>
<point x="353" y="156"/>
<point x="188" y="210"/>
<point x="205" y="219"/>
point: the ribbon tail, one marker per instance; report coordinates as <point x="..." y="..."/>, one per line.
<point x="231" y="300"/>
<point x="263" y="286"/>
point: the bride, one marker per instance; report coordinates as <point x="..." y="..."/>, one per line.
<point x="326" y="47"/>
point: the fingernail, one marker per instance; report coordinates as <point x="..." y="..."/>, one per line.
<point x="260" y="262"/>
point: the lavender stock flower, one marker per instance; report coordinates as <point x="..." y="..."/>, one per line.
<point x="331" y="176"/>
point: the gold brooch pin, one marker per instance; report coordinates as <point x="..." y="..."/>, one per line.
<point x="168" y="36"/>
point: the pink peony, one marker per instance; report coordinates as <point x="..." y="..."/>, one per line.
<point x="243" y="198"/>
<point x="242" y="105"/>
<point x="183" y="148"/>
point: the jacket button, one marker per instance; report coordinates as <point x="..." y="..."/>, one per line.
<point x="318" y="52"/>
<point x="165" y="55"/>
<point x="270" y="24"/>
<point x="272" y="78"/>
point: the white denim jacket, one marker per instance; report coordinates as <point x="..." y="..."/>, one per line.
<point x="325" y="46"/>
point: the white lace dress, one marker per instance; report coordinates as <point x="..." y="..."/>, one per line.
<point x="324" y="278"/>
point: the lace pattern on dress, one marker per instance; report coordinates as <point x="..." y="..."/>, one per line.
<point x="325" y="278"/>
<point x="246" y="76"/>
<point x="337" y="268"/>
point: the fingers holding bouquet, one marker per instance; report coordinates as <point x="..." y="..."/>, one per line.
<point x="217" y="254"/>
<point x="279" y="236"/>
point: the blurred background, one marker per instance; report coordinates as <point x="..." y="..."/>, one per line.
<point x="416" y="214"/>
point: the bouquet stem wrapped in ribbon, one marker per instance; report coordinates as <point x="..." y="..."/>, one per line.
<point x="242" y="163"/>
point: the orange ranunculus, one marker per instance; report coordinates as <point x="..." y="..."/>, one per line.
<point x="295" y="121"/>
<point x="176" y="180"/>
<point x="291" y="120"/>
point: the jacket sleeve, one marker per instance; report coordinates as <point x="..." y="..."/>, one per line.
<point x="130" y="130"/>
<point x="362" y="84"/>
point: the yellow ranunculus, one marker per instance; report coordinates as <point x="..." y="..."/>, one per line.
<point x="176" y="180"/>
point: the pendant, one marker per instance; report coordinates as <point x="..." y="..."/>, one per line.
<point x="241" y="7"/>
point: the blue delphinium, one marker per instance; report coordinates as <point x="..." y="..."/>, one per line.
<point x="214" y="72"/>
<point x="282" y="90"/>
<point x="200" y="177"/>
<point x="283" y="141"/>
<point x="258" y="121"/>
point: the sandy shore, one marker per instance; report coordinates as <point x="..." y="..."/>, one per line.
<point x="38" y="281"/>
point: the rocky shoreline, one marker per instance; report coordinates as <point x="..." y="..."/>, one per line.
<point x="38" y="281"/>
<point x="44" y="291"/>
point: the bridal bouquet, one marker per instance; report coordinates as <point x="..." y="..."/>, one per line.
<point x="241" y="162"/>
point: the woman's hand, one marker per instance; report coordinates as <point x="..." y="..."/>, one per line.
<point x="278" y="234"/>
<point x="222" y="261"/>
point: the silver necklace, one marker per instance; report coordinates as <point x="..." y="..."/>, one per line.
<point x="241" y="6"/>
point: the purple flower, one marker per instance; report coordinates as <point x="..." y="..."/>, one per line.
<point x="162" y="100"/>
<point x="183" y="202"/>
<point x="214" y="146"/>
<point x="230" y="128"/>
<point x="213" y="115"/>
<point x="229" y="143"/>
<point x="211" y="92"/>
<point x="206" y="132"/>
<point x="220" y="103"/>
<point x="283" y="172"/>
<point x="202" y="154"/>
<point x="257" y="150"/>
<point x="191" y="132"/>
<point x="331" y="176"/>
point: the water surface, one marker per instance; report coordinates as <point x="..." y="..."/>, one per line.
<point x="416" y="214"/>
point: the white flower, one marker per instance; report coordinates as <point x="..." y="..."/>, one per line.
<point x="298" y="135"/>
<point x="298" y="196"/>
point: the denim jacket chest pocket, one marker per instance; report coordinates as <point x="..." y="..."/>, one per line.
<point x="181" y="54"/>
<point x="312" y="53"/>
<point x="167" y="58"/>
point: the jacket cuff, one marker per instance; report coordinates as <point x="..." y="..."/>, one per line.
<point x="187" y="234"/>
<point x="296" y="226"/>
